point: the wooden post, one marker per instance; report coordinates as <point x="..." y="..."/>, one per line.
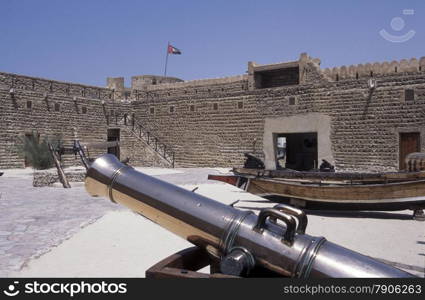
<point x="61" y="173"/>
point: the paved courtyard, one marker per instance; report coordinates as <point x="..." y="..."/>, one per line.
<point x="57" y="232"/>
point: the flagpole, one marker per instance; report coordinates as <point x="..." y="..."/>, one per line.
<point x="166" y="60"/>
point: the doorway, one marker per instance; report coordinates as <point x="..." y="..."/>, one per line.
<point x="114" y="135"/>
<point x="32" y="138"/>
<point x="409" y="142"/>
<point x="296" y="151"/>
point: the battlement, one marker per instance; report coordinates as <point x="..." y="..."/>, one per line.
<point x="196" y="83"/>
<point x="302" y="71"/>
<point x="36" y="84"/>
<point x="139" y="82"/>
<point x="374" y="69"/>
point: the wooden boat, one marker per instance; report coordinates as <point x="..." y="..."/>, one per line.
<point x="329" y="190"/>
<point x="318" y="194"/>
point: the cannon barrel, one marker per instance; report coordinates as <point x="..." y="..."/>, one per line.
<point x="241" y="240"/>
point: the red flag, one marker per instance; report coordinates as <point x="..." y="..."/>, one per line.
<point x="173" y="50"/>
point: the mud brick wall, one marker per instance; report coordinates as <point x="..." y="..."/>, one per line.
<point x="213" y="122"/>
<point x="207" y="122"/>
<point x="83" y="113"/>
<point x="365" y="126"/>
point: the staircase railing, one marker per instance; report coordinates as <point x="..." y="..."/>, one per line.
<point x="147" y="136"/>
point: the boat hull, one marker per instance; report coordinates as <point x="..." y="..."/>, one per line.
<point x="398" y="195"/>
<point x="392" y="196"/>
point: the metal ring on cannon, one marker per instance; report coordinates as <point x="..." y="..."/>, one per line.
<point x="112" y="182"/>
<point x="289" y="220"/>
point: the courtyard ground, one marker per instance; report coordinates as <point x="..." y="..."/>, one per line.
<point x="56" y="232"/>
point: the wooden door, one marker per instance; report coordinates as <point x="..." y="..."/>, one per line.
<point x="409" y="142"/>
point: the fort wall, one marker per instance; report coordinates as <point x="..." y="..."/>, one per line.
<point x="213" y="122"/>
<point x="67" y="110"/>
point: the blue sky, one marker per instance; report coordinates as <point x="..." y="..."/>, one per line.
<point x="87" y="41"/>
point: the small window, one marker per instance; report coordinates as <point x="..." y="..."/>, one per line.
<point x="240" y="104"/>
<point x="112" y="112"/>
<point x="292" y="101"/>
<point x="84" y="109"/>
<point x="29" y="104"/>
<point x="215" y="106"/>
<point x="192" y="108"/>
<point x="57" y="107"/>
<point x="409" y="94"/>
<point x="152" y="110"/>
<point x="171" y="109"/>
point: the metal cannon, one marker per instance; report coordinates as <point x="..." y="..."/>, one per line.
<point x="240" y="241"/>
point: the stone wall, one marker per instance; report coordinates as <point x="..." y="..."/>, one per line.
<point x="50" y="176"/>
<point x="213" y="122"/>
<point x="61" y="109"/>
<point x="202" y="121"/>
<point x="364" y="128"/>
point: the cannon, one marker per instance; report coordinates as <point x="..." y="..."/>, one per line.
<point x="242" y="243"/>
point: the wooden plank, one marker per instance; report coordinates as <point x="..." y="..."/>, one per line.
<point x="184" y="264"/>
<point x="230" y="179"/>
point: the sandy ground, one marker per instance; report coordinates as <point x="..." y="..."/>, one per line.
<point x="123" y="244"/>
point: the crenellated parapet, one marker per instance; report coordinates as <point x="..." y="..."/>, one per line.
<point x="374" y="69"/>
<point x="196" y="83"/>
<point x="46" y="86"/>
